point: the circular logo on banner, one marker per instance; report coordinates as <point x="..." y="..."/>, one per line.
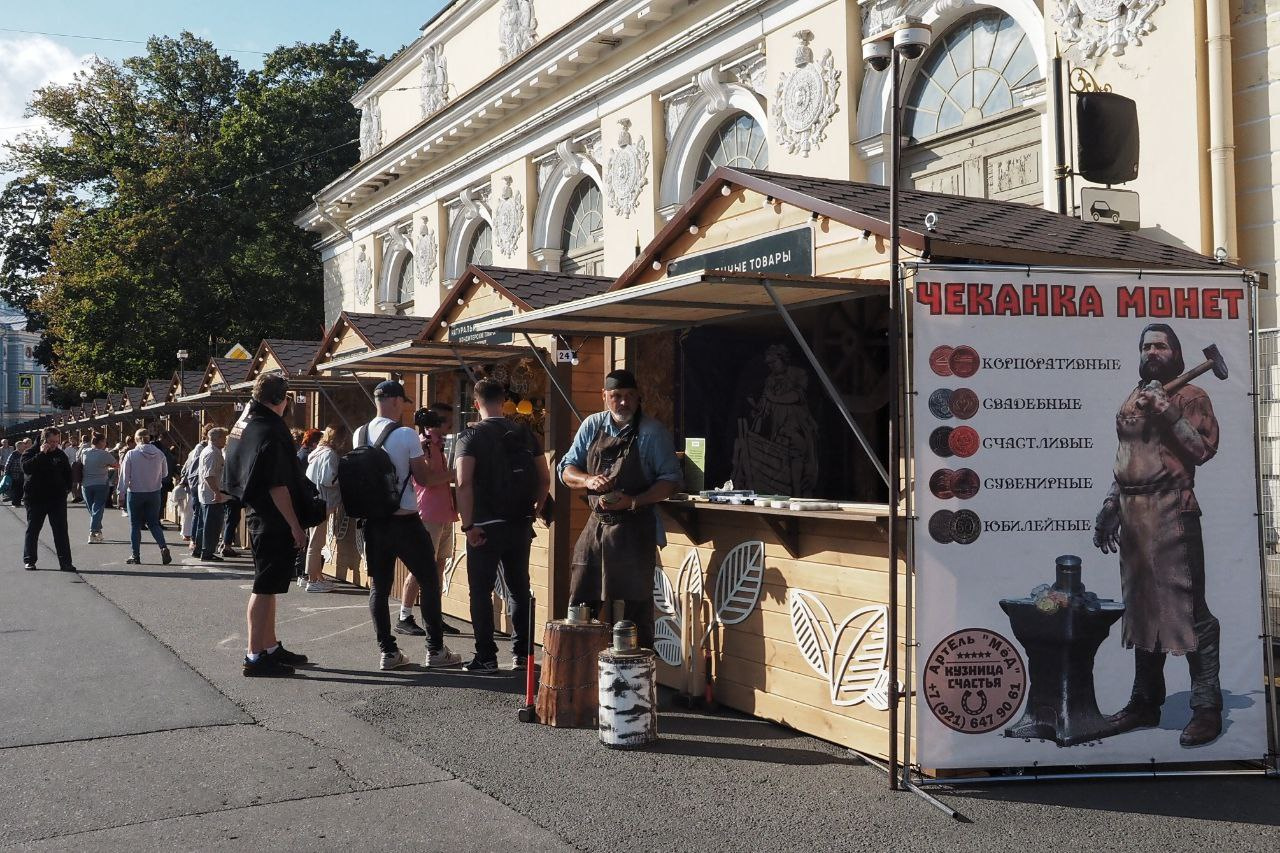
<point x="940" y="360"/>
<point x="966" y="527"/>
<point x="939" y="441"/>
<point x="963" y="441"/>
<point x="963" y="403"/>
<point x="964" y="362"/>
<point x="940" y="526"/>
<point x="940" y="484"/>
<point x="938" y="403"/>
<point x="974" y="681"/>
<point x="965" y="483"/>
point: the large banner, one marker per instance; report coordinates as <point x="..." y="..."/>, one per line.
<point x="1087" y="551"/>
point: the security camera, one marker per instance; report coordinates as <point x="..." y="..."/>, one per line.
<point x="910" y="42"/>
<point x="876" y="54"/>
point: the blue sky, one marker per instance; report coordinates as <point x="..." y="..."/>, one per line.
<point x="29" y="60"/>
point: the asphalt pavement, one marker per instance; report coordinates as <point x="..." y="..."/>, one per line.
<point x="127" y="725"/>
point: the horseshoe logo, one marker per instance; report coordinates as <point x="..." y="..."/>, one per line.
<point x="969" y="694"/>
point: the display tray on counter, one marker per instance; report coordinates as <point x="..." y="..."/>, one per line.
<point x="784" y="522"/>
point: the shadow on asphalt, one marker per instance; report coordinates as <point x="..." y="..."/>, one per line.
<point x="417" y="676"/>
<point x="744" y="752"/>
<point x="216" y="574"/>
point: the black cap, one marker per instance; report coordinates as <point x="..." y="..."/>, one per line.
<point x="620" y="379"/>
<point x="390" y="388"/>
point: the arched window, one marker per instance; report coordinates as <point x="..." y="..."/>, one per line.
<point x="404" y="285"/>
<point x="582" y="237"/>
<point x="480" y="249"/>
<point x="969" y="75"/>
<point x="739" y="142"/>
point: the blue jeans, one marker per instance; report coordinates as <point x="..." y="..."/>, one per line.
<point x="95" y="498"/>
<point x="197" y="521"/>
<point x="211" y="530"/>
<point x="144" y="511"/>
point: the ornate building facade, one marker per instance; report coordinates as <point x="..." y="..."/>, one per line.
<point x="563" y="135"/>
<point x="24" y="382"/>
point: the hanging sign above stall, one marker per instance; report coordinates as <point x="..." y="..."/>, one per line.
<point x="787" y="252"/>
<point x="464" y="331"/>
<point x="1087" y="505"/>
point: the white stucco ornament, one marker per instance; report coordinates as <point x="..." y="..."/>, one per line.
<point x="517" y="28"/>
<point x="806" y="99"/>
<point x="370" y="128"/>
<point x="425" y="255"/>
<point x="364" y="278"/>
<point x="434" y="81"/>
<point x="508" y="219"/>
<point x="1095" y="27"/>
<point x="626" y="172"/>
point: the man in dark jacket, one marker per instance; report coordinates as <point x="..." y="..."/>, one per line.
<point x="47" y="474"/>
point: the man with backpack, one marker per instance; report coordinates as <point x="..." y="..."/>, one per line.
<point x="374" y="481"/>
<point x="502" y="484"/>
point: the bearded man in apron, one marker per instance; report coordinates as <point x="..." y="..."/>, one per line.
<point x="1152" y="518"/>
<point x="627" y="463"/>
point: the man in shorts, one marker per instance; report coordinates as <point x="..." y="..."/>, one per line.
<point x="262" y="472"/>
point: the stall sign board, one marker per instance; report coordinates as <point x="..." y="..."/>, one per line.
<point x="787" y="252"/>
<point x="695" y="452"/>
<point x="1110" y="207"/>
<point x="1074" y="520"/>
<point x="464" y="331"/>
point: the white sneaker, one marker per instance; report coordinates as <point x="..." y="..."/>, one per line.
<point x="393" y="660"/>
<point x="320" y="586"/>
<point x="443" y="659"/>
<point x="302" y="582"/>
<point x="91" y="539"/>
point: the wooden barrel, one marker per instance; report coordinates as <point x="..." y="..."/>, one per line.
<point x="568" y="690"/>
<point x="628" y="698"/>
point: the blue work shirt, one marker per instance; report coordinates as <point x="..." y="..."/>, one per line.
<point x="657" y="451"/>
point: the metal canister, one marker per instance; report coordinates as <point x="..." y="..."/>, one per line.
<point x="579" y="614"/>
<point x="626" y="637"/>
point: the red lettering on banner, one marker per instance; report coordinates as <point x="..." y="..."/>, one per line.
<point x="1159" y="304"/>
<point x="930" y="293"/>
<point x="1035" y="300"/>
<point x="1007" y="300"/>
<point x="1131" y="302"/>
<point x="1186" y="305"/>
<point x="1090" y="302"/>
<point x="1064" y="301"/>
<point x="1233" y="298"/>
<point x="954" y="297"/>
<point x="980" y="299"/>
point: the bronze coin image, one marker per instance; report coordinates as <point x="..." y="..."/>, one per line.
<point x="938" y="403"/>
<point x="963" y="403"/>
<point x="939" y="441"/>
<point x="964" y="362"/>
<point x="940" y="360"/>
<point x="966" y="527"/>
<point x="940" y="484"/>
<point x="964" y="483"/>
<point x="940" y="526"/>
<point x="963" y="441"/>
<point x="974" y="681"/>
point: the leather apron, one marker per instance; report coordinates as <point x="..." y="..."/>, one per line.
<point x="614" y="556"/>
<point x="1156" y="566"/>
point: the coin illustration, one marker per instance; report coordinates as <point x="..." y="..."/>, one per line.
<point x="964" y="362"/>
<point x="939" y="443"/>
<point x="940" y="484"/>
<point x="963" y="403"/>
<point x="964" y="483"/>
<point x="963" y="441"/>
<point x="966" y="527"/>
<point x="974" y="681"/>
<point x="940" y="526"/>
<point x="940" y="360"/>
<point x="938" y="403"/>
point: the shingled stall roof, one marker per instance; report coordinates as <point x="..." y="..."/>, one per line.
<point x="134" y="397"/>
<point x="386" y="343"/>
<point x="187" y="381"/>
<point x="526" y="290"/>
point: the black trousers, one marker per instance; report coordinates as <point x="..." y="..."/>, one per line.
<point x="56" y="513"/>
<point x="405" y="537"/>
<point x="506" y="546"/>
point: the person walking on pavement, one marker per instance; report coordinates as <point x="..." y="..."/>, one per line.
<point x="401" y="535"/>
<point x="262" y="472"/>
<point x="502" y="484"/>
<point x="47" y="483"/>
<point x="435" y="508"/>
<point x="13" y="471"/>
<point x="212" y="500"/>
<point x="142" y="474"/>
<point x="627" y="463"/>
<point x="322" y="470"/>
<point x="191" y="477"/>
<point x="98" y="464"/>
<point x="71" y="447"/>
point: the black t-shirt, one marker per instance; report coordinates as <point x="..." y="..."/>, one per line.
<point x="262" y="458"/>
<point x="480" y="443"/>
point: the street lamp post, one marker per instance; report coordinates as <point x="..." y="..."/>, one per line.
<point x="905" y="40"/>
<point x="182" y="368"/>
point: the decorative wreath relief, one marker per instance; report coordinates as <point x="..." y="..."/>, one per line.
<point x="667" y="600"/>
<point x="625" y="174"/>
<point x="738" y="585"/>
<point x="852" y="657"/>
<point x="806" y="99"/>
<point x="508" y="219"/>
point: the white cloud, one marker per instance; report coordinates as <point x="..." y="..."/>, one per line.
<point x="26" y="64"/>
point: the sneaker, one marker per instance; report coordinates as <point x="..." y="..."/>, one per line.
<point x="133" y="561"/>
<point x="302" y="582"/>
<point x="481" y="667"/>
<point x="31" y="567"/>
<point x="288" y="658"/>
<point x="520" y="663"/>
<point x="228" y="551"/>
<point x="410" y="627"/>
<point x="92" y="539"/>
<point x="165" y="557"/>
<point x="212" y="558"/>
<point x="319" y="586"/>
<point x="449" y="629"/>
<point x="442" y="659"/>
<point x="393" y="660"/>
<point x="266" y="666"/>
<point x="97" y="537"/>
<point x="68" y="569"/>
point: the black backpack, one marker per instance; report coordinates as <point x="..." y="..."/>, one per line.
<point x="511" y="474"/>
<point x="368" y="481"/>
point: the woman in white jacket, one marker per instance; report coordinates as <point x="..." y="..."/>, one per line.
<point x="322" y="469"/>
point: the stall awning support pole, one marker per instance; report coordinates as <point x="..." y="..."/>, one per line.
<point x="466" y="368"/>
<point x="336" y="408"/>
<point x="827" y="383"/>
<point x="551" y="374"/>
